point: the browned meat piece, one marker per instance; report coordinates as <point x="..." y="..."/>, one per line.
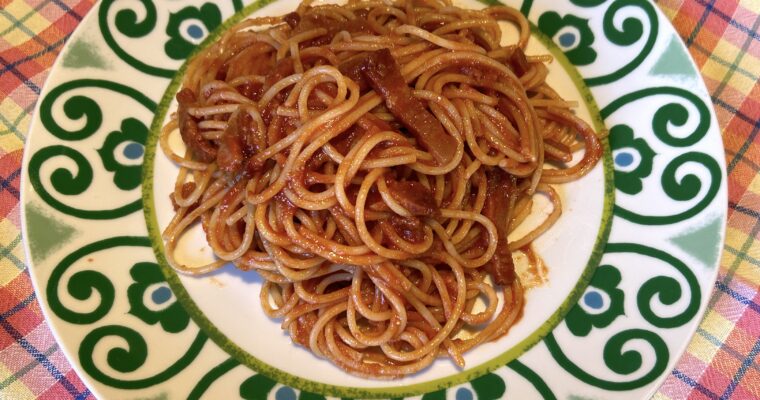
<point x="519" y="62"/>
<point x="413" y="196"/>
<point x="241" y="140"/>
<point x="375" y="201"/>
<point x="500" y="189"/>
<point x="292" y="19"/>
<point x="254" y="139"/>
<point x="384" y="75"/>
<point x="352" y="68"/>
<point x="230" y="156"/>
<point x="200" y="148"/>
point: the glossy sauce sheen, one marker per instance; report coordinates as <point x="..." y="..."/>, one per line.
<point x="413" y="196"/>
<point x="380" y="71"/>
<point x="500" y="187"/>
<point x="201" y="148"/>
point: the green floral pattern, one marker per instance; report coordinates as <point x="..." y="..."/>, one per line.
<point x="182" y="43"/>
<point x="130" y="140"/>
<point x="164" y="309"/>
<point x="572" y="34"/>
<point x="629" y="179"/>
<point x="606" y="279"/>
<point x="487" y="387"/>
<point x="259" y="386"/>
<point x="87" y="124"/>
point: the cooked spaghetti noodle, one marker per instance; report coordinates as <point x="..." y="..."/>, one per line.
<point x="369" y="161"/>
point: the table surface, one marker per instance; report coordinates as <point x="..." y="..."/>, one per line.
<point x="721" y="361"/>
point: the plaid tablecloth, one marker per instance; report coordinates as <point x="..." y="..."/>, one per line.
<point x="722" y="360"/>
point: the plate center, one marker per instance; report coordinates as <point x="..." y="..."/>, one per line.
<point x="227" y="303"/>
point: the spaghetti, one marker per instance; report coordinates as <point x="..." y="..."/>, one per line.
<point x="369" y="161"/>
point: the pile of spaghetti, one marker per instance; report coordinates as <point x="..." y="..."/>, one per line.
<point x="369" y="161"/>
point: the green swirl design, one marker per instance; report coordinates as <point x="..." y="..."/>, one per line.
<point x="487" y="387"/>
<point x="256" y="387"/>
<point x="631" y="32"/>
<point x="587" y="3"/>
<point x="669" y="291"/>
<point x="677" y="114"/>
<point x="535" y="379"/>
<point x="65" y="182"/>
<point x="210" y="377"/>
<point x="131" y="358"/>
<point x="82" y="284"/>
<point x="687" y="188"/>
<point x="618" y="360"/>
<point x="672" y="113"/>
<point x="126" y="23"/>
<point x="525" y="7"/>
<point x="78" y="107"/>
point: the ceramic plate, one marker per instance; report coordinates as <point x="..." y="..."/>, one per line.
<point x="630" y="264"/>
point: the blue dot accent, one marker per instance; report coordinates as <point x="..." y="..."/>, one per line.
<point x="624" y="159"/>
<point x="464" y="394"/>
<point x="285" y="393"/>
<point x="593" y="300"/>
<point x="195" y="31"/>
<point x="567" y="39"/>
<point x="133" y="151"/>
<point x="161" y="295"/>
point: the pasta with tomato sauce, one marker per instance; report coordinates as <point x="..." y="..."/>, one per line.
<point x="369" y="161"/>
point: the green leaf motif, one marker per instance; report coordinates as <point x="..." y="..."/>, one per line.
<point x="437" y="395"/>
<point x="133" y="134"/>
<point x="310" y="396"/>
<point x="619" y="358"/>
<point x="681" y="187"/>
<point x="631" y="31"/>
<point x="86" y="284"/>
<point x="128" y="23"/>
<point x="75" y="181"/>
<point x="256" y="387"/>
<point x="489" y="387"/>
<point x="163" y="307"/>
<point x="182" y="43"/>
<point x="606" y="279"/>
<point x="588" y="3"/>
<point x="129" y="355"/>
<point x="572" y="34"/>
<point x="622" y="141"/>
<point x="534" y="378"/>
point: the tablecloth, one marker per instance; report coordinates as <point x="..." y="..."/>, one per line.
<point x="721" y="361"/>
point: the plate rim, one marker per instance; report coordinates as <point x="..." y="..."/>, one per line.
<point x="413" y="389"/>
<point x="94" y="386"/>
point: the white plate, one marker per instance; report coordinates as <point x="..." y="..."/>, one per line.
<point x="631" y="261"/>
